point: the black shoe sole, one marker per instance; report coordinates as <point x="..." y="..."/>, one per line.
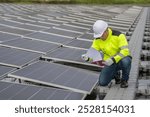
<point x="117" y="82"/>
<point x="123" y="86"/>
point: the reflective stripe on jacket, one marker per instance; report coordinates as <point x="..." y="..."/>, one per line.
<point x="115" y="46"/>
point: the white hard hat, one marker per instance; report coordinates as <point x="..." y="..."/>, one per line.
<point x="99" y="28"/>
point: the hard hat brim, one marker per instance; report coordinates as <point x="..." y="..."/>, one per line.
<point x="97" y="35"/>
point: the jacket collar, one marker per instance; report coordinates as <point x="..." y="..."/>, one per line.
<point x="109" y="33"/>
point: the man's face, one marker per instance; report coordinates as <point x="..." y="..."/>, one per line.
<point x="105" y="35"/>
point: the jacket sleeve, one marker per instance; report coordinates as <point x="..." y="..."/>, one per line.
<point x="95" y="45"/>
<point x="124" y="49"/>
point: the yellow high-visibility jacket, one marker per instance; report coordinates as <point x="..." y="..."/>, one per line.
<point x="114" y="47"/>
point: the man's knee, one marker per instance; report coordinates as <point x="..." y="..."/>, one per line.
<point x="126" y="61"/>
<point x="103" y="83"/>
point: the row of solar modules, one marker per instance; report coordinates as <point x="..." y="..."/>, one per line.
<point x="61" y="33"/>
<point x="144" y="76"/>
<point x="15" y="63"/>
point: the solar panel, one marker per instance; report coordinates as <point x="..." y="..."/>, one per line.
<point x="90" y="31"/>
<point x="63" y="32"/>
<point x="65" y="19"/>
<point x="54" y="14"/>
<point x="30" y="17"/>
<point x="69" y="55"/>
<point x="5" y="69"/>
<point x="15" y="57"/>
<point x="21" y="20"/>
<point x="31" y="27"/>
<point x="15" y="31"/>
<point x="57" y="75"/>
<point x="72" y="28"/>
<point x="85" y="21"/>
<point x="80" y="44"/>
<point x="31" y="45"/>
<point x="117" y="22"/>
<point x="6" y="37"/>
<point x="42" y="24"/>
<point x="1" y="26"/>
<point x="122" y="29"/>
<point x="73" y="17"/>
<point x="54" y="21"/>
<point x="66" y="53"/>
<point x="11" y="91"/>
<point x="79" y="25"/>
<point x="9" y="23"/>
<point x="86" y="36"/>
<point x="39" y="16"/>
<point x="49" y="37"/>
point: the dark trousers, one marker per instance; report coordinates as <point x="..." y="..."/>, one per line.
<point x="109" y="72"/>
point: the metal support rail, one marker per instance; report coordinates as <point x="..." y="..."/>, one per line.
<point x="135" y="45"/>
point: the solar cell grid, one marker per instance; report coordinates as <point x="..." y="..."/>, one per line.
<point x="80" y="44"/>
<point x="31" y="27"/>
<point x="55" y="21"/>
<point x="10" y="91"/>
<point x="48" y="25"/>
<point x="6" y="37"/>
<point x="9" y="23"/>
<point x="71" y="28"/>
<point x="65" y="19"/>
<point x="16" y="58"/>
<point x="44" y="16"/>
<point x="45" y="73"/>
<point x="63" y="32"/>
<point x="80" y="25"/>
<point x="70" y="56"/>
<point x="2" y="26"/>
<point x="22" y="20"/>
<point x="30" y="45"/>
<point x="30" y="17"/>
<point x="86" y="36"/>
<point x="50" y="37"/>
<point x="15" y="31"/>
<point x="56" y="12"/>
<point x="4" y="70"/>
<point x="67" y="53"/>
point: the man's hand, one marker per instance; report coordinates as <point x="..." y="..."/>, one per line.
<point x="108" y="62"/>
<point x="86" y="58"/>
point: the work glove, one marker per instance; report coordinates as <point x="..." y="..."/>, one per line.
<point x="84" y="57"/>
<point x="108" y="62"/>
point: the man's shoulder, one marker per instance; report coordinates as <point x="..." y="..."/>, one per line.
<point x="116" y="32"/>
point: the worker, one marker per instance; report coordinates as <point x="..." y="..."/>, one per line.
<point x="116" y="54"/>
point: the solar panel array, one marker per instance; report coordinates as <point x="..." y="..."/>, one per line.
<point x="30" y="34"/>
<point x="12" y="91"/>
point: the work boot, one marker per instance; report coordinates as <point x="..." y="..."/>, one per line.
<point x="117" y="80"/>
<point x="124" y="84"/>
